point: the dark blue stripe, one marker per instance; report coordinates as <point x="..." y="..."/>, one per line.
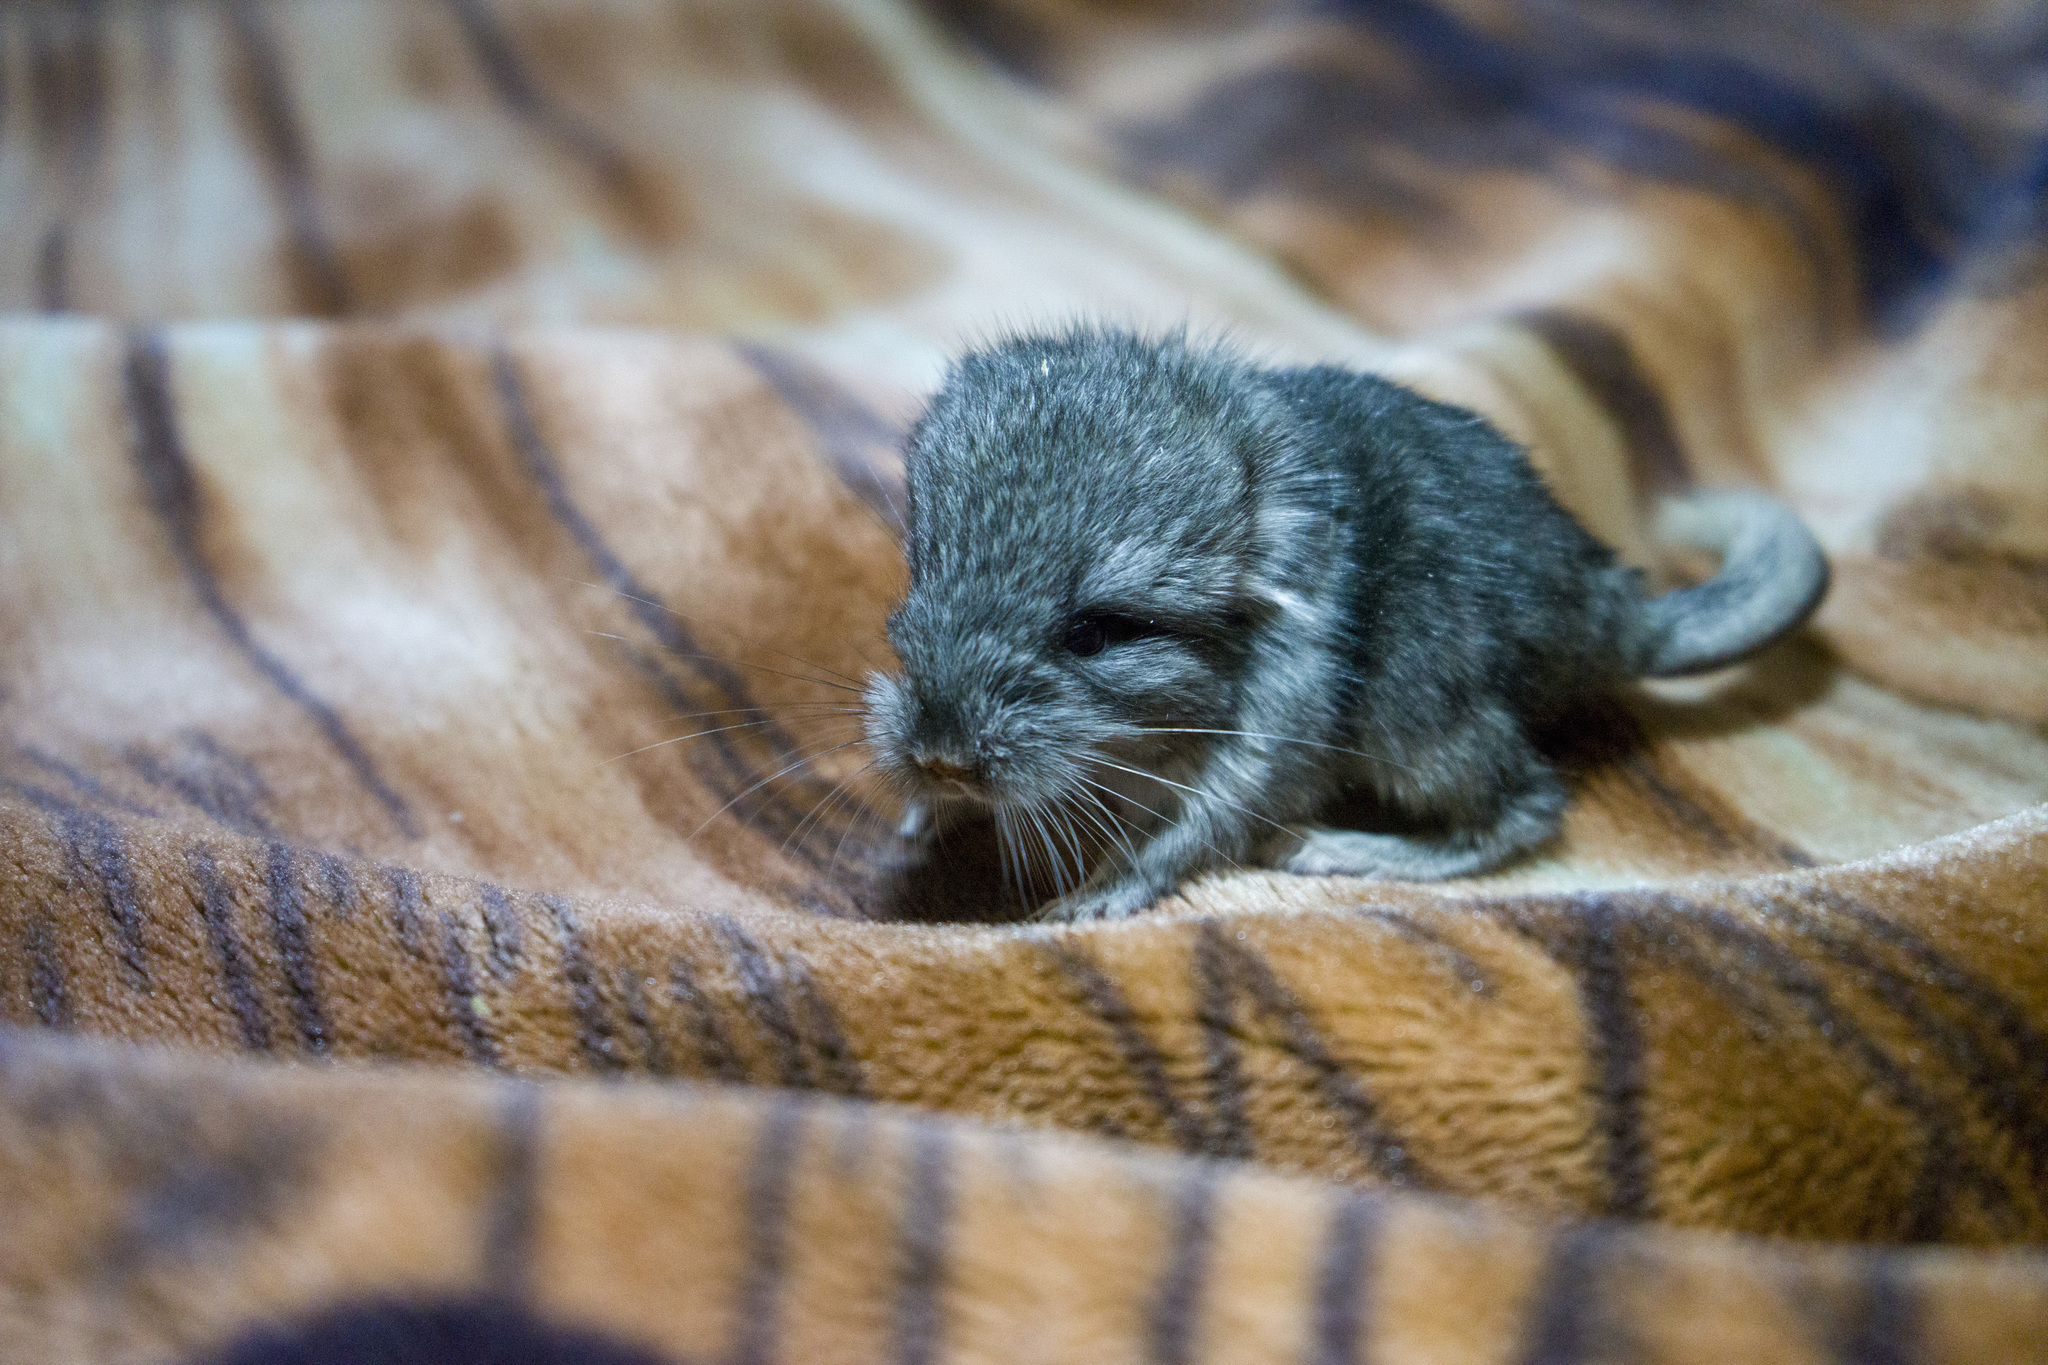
<point x="337" y="879"/>
<point x="459" y="979"/>
<point x="502" y="929"/>
<point x="767" y="1213"/>
<point x="93" y="850"/>
<point x="407" y="906"/>
<point x="1993" y="1048"/>
<point x="1342" y="1284"/>
<point x="712" y="1044"/>
<point x="175" y="496"/>
<point x="1340" y="1089"/>
<point x="760" y="980"/>
<point x="87" y="785"/>
<point x="512" y="1218"/>
<point x="217" y="907"/>
<point x="1881" y="1323"/>
<point x="387" y="1326"/>
<point x="1099" y="993"/>
<point x="1567" y="1319"/>
<point x="922" y="1276"/>
<point x="1915" y="187"/>
<point x="516" y="89"/>
<point x="837" y="1063"/>
<point x="211" y="778"/>
<point x="1762" y="979"/>
<point x="1601" y="359"/>
<point x="658" y="621"/>
<point x="1615" y="1042"/>
<point x="295" y="948"/>
<point x="596" y="1038"/>
<point x="47" y="996"/>
<point x="321" y="285"/>
<point x="67" y="92"/>
<point x="1230" y="1131"/>
<point x="654" y="1052"/>
<point x="1177" y="1309"/>
<point x="1591" y="935"/>
<point x="850" y="431"/>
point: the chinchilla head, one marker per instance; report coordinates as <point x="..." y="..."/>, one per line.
<point x="1084" y="552"/>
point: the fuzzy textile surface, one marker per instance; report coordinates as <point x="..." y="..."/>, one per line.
<point x="416" y="414"/>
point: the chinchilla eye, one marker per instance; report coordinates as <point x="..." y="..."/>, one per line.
<point x="1086" y="636"/>
<point x="1092" y="632"/>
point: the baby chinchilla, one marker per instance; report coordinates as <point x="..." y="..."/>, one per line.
<point x="1164" y="605"/>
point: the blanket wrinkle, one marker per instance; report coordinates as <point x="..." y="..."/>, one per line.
<point x="450" y="499"/>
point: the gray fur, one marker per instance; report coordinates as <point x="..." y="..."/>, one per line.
<point x="1772" y="577"/>
<point x="1371" y="589"/>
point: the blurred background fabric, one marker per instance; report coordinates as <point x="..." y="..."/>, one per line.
<point x="449" y="495"/>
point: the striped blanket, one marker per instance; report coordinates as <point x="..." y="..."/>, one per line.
<point x="449" y="483"/>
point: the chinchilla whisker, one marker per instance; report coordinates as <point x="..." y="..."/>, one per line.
<point x="1077" y="834"/>
<point x="864" y="821"/>
<point x="1012" y="859"/>
<point x="780" y="772"/>
<point x="1026" y="827"/>
<point x="1053" y="856"/>
<point x="819" y="807"/>
<point x="746" y="664"/>
<point x="867" y="659"/>
<point x="694" y="734"/>
<point x="1070" y="821"/>
<point x="1111" y="827"/>
<point x="1041" y="819"/>
<point x="1027" y="873"/>
<point x="1195" y="791"/>
<point x="686" y="616"/>
<point x="740" y="663"/>
<point x="1282" y="739"/>
<point x="817" y="811"/>
<point x="838" y="715"/>
<point x="1057" y="817"/>
<point x="1093" y="823"/>
<point x="1003" y="844"/>
<point x="1156" y="815"/>
<point x="1164" y="823"/>
<point x="853" y="794"/>
<point x="1059" y="878"/>
<point x="752" y="817"/>
<point x="771" y="713"/>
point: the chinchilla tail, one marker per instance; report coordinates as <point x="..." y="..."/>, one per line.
<point x="1772" y="576"/>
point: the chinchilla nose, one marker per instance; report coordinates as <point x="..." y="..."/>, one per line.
<point x="941" y="770"/>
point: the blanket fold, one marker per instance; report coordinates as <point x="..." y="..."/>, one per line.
<point x="449" y="501"/>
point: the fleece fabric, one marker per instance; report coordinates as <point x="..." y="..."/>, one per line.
<point x="449" y="499"/>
